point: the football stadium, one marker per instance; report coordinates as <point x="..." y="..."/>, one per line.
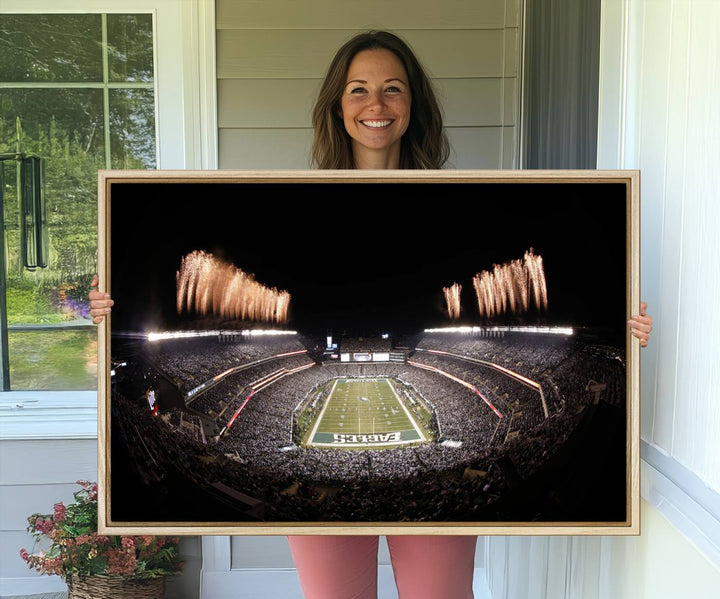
<point x="358" y="383"/>
<point x="458" y="426"/>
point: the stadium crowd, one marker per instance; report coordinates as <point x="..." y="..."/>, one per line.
<point x="191" y="362"/>
<point x="476" y="458"/>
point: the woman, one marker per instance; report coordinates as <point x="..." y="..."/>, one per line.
<point x="355" y="94"/>
<point x="376" y="109"/>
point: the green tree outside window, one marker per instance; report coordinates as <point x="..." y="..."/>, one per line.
<point x="78" y="91"/>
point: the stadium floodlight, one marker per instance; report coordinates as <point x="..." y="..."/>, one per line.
<point x="453" y="330"/>
<point x="160" y="336"/>
<point x="270" y="332"/>
<point x="543" y="330"/>
<point x="180" y="335"/>
<point x="507" y="329"/>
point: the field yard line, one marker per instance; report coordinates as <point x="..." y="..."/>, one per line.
<point x="402" y="405"/>
<point x="322" y="412"/>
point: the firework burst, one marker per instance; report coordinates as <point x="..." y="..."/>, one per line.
<point x="452" y="300"/>
<point x="207" y="285"/>
<point x="513" y="287"/>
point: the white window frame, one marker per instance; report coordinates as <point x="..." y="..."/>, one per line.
<point x="186" y="129"/>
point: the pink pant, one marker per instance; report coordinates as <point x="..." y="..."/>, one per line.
<point x="345" y="567"/>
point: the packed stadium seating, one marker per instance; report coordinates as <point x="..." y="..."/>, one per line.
<point x="479" y="458"/>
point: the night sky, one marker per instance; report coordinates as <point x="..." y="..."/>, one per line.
<point x="367" y="257"/>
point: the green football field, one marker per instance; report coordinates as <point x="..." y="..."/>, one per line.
<point x="364" y="413"/>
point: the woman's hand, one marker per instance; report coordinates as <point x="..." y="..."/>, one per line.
<point x="641" y="325"/>
<point x="100" y="303"/>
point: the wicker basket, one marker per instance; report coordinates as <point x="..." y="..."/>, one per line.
<point x="116" y="587"/>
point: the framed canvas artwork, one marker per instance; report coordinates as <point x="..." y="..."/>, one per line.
<point x="361" y="352"/>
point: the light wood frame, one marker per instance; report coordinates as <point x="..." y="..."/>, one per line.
<point x="630" y="526"/>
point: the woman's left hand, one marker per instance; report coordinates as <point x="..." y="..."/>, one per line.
<point x="641" y="325"/>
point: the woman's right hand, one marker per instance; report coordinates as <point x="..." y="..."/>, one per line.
<point x="100" y="302"/>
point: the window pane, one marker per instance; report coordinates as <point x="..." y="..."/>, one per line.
<point x="130" y="48"/>
<point x="38" y="48"/>
<point x="54" y="359"/>
<point x="132" y="128"/>
<point x="53" y="121"/>
<point x="65" y="128"/>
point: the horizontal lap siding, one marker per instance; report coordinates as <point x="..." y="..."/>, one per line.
<point x="35" y="475"/>
<point x="306" y="54"/>
<point x="354" y="14"/>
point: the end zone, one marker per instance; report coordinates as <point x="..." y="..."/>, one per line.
<point x="364" y="440"/>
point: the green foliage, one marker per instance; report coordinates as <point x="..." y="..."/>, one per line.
<point x="67" y="128"/>
<point x="26" y="304"/>
<point x="49" y="47"/>
<point x="54" y="359"/>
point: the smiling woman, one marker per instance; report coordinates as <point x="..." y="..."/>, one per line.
<point x="377" y="109"/>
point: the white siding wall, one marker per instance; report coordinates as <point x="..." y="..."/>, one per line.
<point x="659" y="564"/>
<point x="34" y="475"/>
<point x="671" y="131"/>
<point x="271" y="58"/>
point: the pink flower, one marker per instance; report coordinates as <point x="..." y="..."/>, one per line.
<point x="44" y="526"/>
<point x="89" y="488"/>
<point x="128" y="543"/>
<point x="25" y="555"/>
<point x="121" y="561"/>
<point x="53" y="565"/>
<point x="59" y="512"/>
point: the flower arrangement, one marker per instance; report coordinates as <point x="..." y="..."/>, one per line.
<point x="77" y="551"/>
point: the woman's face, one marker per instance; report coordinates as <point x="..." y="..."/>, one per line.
<point x="375" y="106"/>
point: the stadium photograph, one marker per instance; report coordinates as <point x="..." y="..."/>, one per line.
<point x="366" y="353"/>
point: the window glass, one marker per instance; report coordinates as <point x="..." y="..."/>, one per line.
<point x="130" y="47"/>
<point x="38" y="48"/>
<point x="132" y="128"/>
<point x="81" y="105"/>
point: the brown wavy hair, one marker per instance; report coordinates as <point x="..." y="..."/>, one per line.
<point x="423" y="146"/>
